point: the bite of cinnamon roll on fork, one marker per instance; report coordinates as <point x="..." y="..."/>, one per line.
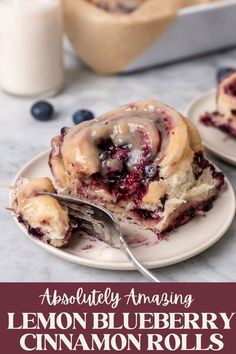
<point x="42" y="215"/>
<point x="143" y="161"/>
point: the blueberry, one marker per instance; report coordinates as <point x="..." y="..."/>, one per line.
<point x="82" y="115"/>
<point x="64" y="130"/>
<point x="42" y="110"/>
<point x="222" y="72"/>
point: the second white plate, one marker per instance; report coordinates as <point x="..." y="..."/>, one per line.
<point x="216" y="141"/>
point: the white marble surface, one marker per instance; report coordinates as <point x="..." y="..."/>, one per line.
<point x="21" y="137"/>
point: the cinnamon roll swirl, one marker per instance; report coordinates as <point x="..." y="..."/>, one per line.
<point x="224" y="117"/>
<point x="143" y="161"/>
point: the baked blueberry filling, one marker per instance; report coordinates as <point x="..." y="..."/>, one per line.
<point x="202" y="163"/>
<point x="230" y="89"/>
<point x="39" y="234"/>
<point x="233" y="111"/>
<point x="188" y="214"/>
<point x="36" y="232"/>
<point x="64" y="131"/>
<point x="228" y="129"/>
<point x="126" y="183"/>
<point x="132" y="184"/>
<point x="147" y="215"/>
<point x="208" y="120"/>
<point x="118" y="177"/>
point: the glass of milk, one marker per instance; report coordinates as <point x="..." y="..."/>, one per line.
<point x="31" y="50"/>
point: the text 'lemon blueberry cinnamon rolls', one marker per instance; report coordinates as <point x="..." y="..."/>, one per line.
<point x="224" y="117"/>
<point x="142" y="161"/>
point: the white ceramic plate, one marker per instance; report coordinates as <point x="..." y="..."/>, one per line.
<point x="187" y="241"/>
<point x="216" y="141"/>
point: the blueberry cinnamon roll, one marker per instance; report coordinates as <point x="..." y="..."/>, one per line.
<point x="143" y="161"/>
<point x="224" y="117"/>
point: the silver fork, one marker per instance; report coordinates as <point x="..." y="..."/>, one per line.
<point x="104" y="226"/>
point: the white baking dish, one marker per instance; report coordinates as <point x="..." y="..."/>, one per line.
<point x="196" y="30"/>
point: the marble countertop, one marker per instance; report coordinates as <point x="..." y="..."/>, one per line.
<point x="22" y="137"/>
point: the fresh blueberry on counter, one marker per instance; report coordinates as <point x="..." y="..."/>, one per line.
<point x="42" y="111"/>
<point x="222" y="72"/>
<point x="82" y="115"/>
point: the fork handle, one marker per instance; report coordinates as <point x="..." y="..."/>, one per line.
<point x="135" y="261"/>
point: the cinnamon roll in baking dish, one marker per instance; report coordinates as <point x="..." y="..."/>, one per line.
<point x="224" y="117"/>
<point x="117" y="6"/>
<point x="128" y="6"/>
<point x="143" y="161"/>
